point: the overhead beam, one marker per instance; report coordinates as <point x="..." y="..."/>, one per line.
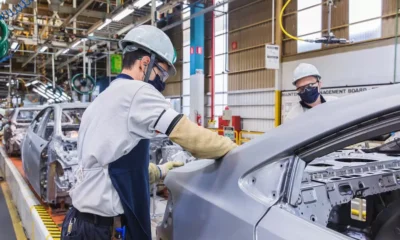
<point x="82" y="7"/>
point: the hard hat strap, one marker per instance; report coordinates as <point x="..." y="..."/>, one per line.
<point x="150" y="67"/>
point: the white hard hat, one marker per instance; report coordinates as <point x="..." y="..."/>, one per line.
<point x="305" y="70"/>
<point x="154" y="40"/>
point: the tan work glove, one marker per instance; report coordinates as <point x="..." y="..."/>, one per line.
<point x="157" y="172"/>
<point x="199" y="141"/>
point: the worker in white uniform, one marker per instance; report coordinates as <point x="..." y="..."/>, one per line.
<point x="307" y="81"/>
<point x="113" y="146"/>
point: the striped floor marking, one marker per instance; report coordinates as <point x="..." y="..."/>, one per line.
<point x="51" y="226"/>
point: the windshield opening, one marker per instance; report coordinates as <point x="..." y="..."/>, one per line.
<point x="26" y="116"/>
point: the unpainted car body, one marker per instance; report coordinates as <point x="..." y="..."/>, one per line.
<point x="15" y="129"/>
<point x="266" y="189"/>
<point x="49" y="151"/>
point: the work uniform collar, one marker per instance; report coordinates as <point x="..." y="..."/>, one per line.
<point x="304" y="105"/>
<point x="124" y="76"/>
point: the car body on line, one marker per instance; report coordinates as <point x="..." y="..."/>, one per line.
<point x="15" y="129"/>
<point x="298" y="181"/>
<point x="49" y="151"/>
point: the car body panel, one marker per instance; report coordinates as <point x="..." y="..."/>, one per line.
<point x="213" y="192"/>
<point x="49" y="156"/>
<point x="15" y="129"/>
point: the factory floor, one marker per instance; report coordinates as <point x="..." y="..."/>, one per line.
<point x="10" y="227"/>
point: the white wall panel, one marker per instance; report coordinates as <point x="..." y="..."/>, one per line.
<point x="362" y="67"/>
<point x="259" y="112"/>
<point x="258" y="125"/>
<point x="266" y="97"/>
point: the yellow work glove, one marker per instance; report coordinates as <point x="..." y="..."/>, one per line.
<point x="157" y="172"/>
<point x="199" y="141"/>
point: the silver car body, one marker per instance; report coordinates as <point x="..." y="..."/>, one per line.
<point x="265" y="190"/>
<point x="15" y="129"/>
<point x="49" y="151"/>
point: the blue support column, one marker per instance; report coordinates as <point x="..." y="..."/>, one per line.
<point x="197" y="66"/>
<point x="197" y="40"/>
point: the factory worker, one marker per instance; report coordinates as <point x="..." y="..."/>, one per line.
<point x="306" y="79"/>
<point x="113" y="145"/>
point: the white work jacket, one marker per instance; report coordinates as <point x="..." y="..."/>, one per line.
<point x="298" y="108"/>
<point x="113" y="124"/>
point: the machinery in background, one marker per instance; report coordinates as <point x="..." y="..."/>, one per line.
<point x="229" y="124"/>
<point x="15" y="129"/>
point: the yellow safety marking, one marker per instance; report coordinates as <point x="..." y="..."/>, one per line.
<point x="51" y="226"/>
<point x="16" y="221"/>
<point x="355" y="212"/>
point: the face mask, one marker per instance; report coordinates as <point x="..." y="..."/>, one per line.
<point x="157" y="83"/>
<point x="310" y="95"/>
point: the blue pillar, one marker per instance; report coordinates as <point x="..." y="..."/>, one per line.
<point x="197" y="40"/>
<point x="197" y="65"/>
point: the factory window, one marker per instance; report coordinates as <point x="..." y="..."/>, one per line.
<point x="309" y="24"/>
<point x="359" y="10"/>
<point x="186" y="62"/>
<point x="221" y="58"/>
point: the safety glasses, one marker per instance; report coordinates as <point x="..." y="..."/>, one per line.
<point x="163" y="74"/>
<point x="307" y="87"/>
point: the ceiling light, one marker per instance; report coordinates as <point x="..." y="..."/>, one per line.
<point x="121" y="15"/>
<point x="76" y="44"/>
<point x="84" y="39"/>
<point x="44" y="48"/>
<point x="91" y="34"/>
<point x="141" y="3"/>
<point x="40" y="93"/>
<point x="14" y="45"/>
<point x="158" y="3"/>
<point x="65" y="51"/>
<point x="106" y="22"/>
<point x="31" y="83"/>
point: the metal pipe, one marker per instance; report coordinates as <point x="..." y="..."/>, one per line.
<point x="226" y="18"/>
<point x="212" y="61"/>
<point x="153" y="12"/>
<point x="278" y="81"/>
<point x="84" y="59"/>
<point x="273" y="22"/>
<point x="9" y="85"/>
<point x="53" y="67"/>
<point x="204" y="11"/>
<point x="330" y="3"/>
<point x="396" y="41"/>
<point x="74" y="23"/>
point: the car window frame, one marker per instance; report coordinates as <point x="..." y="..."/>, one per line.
<point x="43" y="124"/>
<point x="43" y="114"/>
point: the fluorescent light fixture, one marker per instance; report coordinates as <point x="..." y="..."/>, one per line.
<point x="141" y="3"/>
<point x="40" y="93"/>
<point x="106" y="22"/>
<point x="84" y="39"/>
<point x="14" y="45"/>
<point x="121" y="15"/>
<point x="44" y="48"/>
<point x="65" y="51"/>
<point x="158" y="3"/>
<point x="31" y="83"/>
<point x="76" y="44"/>
<point x="91" y="34"/>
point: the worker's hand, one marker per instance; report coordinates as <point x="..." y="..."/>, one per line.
<point x="166" y="167"/>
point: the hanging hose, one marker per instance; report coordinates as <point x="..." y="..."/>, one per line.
<point x="4" y="45"/>
<point x="283" y="29"/>
<point x="83" y="82"/>
<point x="16" y="9"/>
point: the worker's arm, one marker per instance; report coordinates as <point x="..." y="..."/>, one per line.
<point x="157" y="172"/>
<point x="150" y="112"/>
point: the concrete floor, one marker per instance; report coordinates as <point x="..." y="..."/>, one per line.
<point x="6" y="226"/>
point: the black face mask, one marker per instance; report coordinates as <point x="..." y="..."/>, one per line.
<point x="310" y="95"/>
<point x="157" y="83"/>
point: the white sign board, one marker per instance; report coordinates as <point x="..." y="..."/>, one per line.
<point x="290" y="98"/>
<point x="271" y="56"/>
